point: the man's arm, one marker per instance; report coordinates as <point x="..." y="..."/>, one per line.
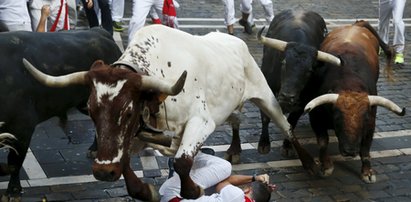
<point x="237" y="180"/>
<point x="45" y="13"/>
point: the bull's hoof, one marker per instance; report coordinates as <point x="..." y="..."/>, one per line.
<point x="287" y="150"/>
<point x="232" y="158"/>
<point x="369" y="176"/>
<point x="5" y="198"/>
<point x="264" y="149"/>
<point x="325" y="172"/>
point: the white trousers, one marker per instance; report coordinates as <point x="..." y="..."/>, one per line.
<point x="141" y="8"/>
<point x="117" y="10"/>
<point x="246" y="7"/>
<point x="206" y="172"/>
<point x="394" y="9"/>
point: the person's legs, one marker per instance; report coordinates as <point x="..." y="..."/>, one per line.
<point x="206" y="171"/>
<point x="384" y="20"/>
<point x="91" y="15"/>
<point x="154" y="16"/>
<point x="141" y="8"/>
<point x="268" y="10"/>
<point x="399" y="27"/>
<point x="246" y="9"/>
<point x="117" y="12"/>
<point x="229" y="15"/>
<point x="72" y="9"/>
<point x="106" y="19"/>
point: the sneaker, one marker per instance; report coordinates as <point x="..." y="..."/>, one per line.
<point x="247" y="27"/>
<point x="156" y="21"/>
<point x="399" y="58"/>
<point x="117" y="26"/>
<point x="208" y="151"/>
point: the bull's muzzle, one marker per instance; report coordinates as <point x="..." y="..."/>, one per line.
<point x="288" y="102"/>
<point x="107" y="172"/>
<point x="349" y="151"/>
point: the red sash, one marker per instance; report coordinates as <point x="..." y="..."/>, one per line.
<point x="65" y="26"/>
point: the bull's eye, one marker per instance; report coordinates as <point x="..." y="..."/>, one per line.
<point x="128" y="115"/>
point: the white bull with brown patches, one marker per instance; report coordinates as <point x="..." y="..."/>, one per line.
<point x="168" y="80"/>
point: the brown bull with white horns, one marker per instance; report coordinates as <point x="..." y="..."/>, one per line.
<point x="347" y="95"/>
<point x="343" y="92"/>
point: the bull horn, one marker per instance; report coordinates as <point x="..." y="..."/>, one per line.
<point x="326" y="57"/>
<point x="323" y="99"/>
<point x="281" y="45"/>
<point x="273" y="43"/>
<point x="151" y="83"/>
<point x="388" y="104"/>
<point x="56" y="81"/>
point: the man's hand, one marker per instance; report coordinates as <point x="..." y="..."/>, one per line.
<point x="264" y="178"/>
<point x="89" y="4"/>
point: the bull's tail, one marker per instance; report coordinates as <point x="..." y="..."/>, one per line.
<point x="388" y="51"/>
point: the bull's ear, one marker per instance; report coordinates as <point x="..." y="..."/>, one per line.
<point x="98" y="64"/>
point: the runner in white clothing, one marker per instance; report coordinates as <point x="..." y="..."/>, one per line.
<point x="209" y="172"/>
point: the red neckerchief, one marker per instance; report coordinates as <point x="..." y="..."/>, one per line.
<point x="175" y="199"/>
<point x="246" y="199"/>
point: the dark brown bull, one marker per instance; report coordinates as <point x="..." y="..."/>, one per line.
<point x="347" y="95"/>
<point x="290" y="52"/>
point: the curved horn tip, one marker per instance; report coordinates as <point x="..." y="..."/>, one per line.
<point x="259" y="37"/>
<point x="402" y="112"/>
<point x="180" y="83"/>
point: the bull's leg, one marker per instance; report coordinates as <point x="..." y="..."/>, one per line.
<point x="195" y="133"/>
<point x="15" y="161"/>
<point x="368" y="175"/>
<point x="327" y="166"/>
<point x="264" y="145"/>
<point x="233" y="153"/>
<point x="287" y="149"/>
<point x="269" y="105"/>
<point x="137" y="188"/>
<point x="189" y="189"/>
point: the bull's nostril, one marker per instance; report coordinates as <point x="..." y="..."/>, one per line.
<point x="112" y="174"/>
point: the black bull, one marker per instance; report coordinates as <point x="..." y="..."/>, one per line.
<point x="25" y="102"/>
<point x="283" y="64"/>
